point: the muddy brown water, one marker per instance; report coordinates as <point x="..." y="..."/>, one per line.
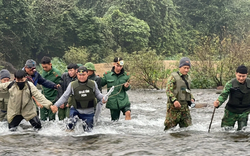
<point x="143" y="135"/>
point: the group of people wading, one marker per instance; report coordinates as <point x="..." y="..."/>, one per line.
<point x="180" y="98"/>
<point x="77" y="95"/>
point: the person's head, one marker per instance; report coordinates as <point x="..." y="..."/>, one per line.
<point x="82" y="74"/>
<point x="118" y="64"/>
<point x="46" y="63"/>
<point x="4" y="75"/>
<point x="20" y="76"/>
<point x="91" y="68"/>
<point x="241" y="73"/>
<point x="30" y="67"/>
<point x="184" y="66"/>
<point x="72" y="69"/>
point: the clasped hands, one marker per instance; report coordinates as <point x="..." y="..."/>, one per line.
<point x="54" y="108"/>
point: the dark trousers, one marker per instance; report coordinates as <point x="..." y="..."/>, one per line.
<point x="35" y="122"/>
<point x="88" y="118"/>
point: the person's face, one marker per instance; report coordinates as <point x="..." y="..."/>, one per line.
<point x="90" y="72"/>
<point x="5" y="80"/>
<point x="72" y="72"/>
<point x="47" y="67"/>
<point x="30" y="71"/>
<point x="118" y="67"/>
<point x="241" y="77"/>
<point x="184" y="70"/>
<point x="82" y="77"/>
<point x="21" y="80"/>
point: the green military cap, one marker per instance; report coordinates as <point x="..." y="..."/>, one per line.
<point x="90" y="66"/>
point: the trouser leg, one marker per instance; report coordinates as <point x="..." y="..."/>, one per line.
<point x="61" y="113"/>
<point x="72" y="119"/>
<point x="51" y="115"/>
<point x="186" y="119"/>
<point x="228" y="119"/>
<point x="172" y="117"/>
<point x="242" y="121"/>
<point x="44" y="114"/>
<point x="15" y="122"/>
<point x="88" y="119"/>
<point x="35" y="122"/>
<point x="115" y="114"/>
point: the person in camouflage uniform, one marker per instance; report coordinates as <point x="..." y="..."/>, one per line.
<point x="4" y="95"/>
<point x="179" y="97"/>
<point x="238" y="105"/>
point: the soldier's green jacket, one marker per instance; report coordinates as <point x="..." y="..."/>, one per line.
<point x="21" y="102"/>
<point x="119" y="98"/>
<point x="53" y="75"/>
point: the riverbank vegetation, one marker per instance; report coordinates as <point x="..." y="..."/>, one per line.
<point x="213" y="33"/>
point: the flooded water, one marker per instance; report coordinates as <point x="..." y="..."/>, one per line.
<point x="143" y="135"/>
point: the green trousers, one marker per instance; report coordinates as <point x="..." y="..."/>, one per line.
<point x="230" y="118"/>
<point x="115" y="113"/>
<point x="46" y="113"/>
<point x="63" y="113"/>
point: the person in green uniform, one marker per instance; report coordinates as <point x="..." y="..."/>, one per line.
<point x="179" y="97"/>
<point x="238" y="105"/>
<point x="92" y="76"/>
<point x="118" y="100"/>
<point x="4" y="95"/>
<point x="54" y="75"/>
<point x="66" y="79"/>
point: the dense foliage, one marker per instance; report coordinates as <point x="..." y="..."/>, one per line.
<point x="92" y="30"/>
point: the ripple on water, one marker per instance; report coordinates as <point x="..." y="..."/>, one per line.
<point x="143" y="135"/>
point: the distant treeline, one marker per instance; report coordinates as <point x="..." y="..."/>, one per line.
<point x="91" y="30"/>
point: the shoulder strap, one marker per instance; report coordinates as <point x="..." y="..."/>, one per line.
<point x="29" y="88"/>
<point x="10" y="85"/>
<point x="184" y="81"/>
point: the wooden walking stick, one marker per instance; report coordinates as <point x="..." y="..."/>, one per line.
<point x="211" y="120"/>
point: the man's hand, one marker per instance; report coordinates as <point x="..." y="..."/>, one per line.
<point x="62" y="106"/>
<point x="57" y="86"/>
<point x="126" y="84"/>
<point x="216" y="103"/>
<point x="103" y="101"/>
<point x="177" y="104"/>
<point x="54" y="109"/>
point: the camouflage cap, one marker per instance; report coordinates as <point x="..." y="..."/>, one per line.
<point x="90" y="66"/>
